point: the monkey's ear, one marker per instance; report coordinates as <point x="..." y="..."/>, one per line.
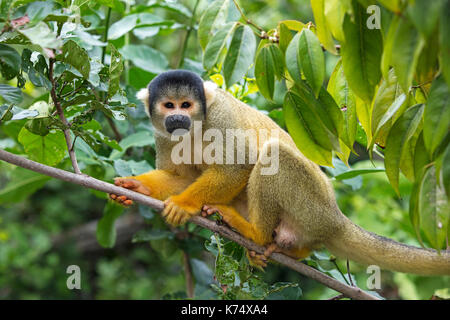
<point x="143" y="95"/>
<point x="210" y="91"/>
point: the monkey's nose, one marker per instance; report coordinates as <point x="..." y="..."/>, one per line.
<point x="177" y="121"/>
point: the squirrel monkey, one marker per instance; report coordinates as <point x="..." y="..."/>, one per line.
<point x="292" y="211"/>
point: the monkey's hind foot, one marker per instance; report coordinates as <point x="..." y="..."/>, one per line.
<point x="257" y="260"/>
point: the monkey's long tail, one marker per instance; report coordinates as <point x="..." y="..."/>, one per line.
<point x="365" y="247"/>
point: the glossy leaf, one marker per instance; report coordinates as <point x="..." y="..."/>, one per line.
<point x="269" y="64"/>
<point x="49" y="149"/>
<point x="214" y="15"/>
<point x="9" y="62"/>
<point x="312" y="60"/>
<point x="444" y="29"/>
<point x="405" y="52"/>
<point x="305" y="130"/>
<point x="293" y="60"/>
<point x="76" y="56"/>
<point x="323" y="30"/>
<point x="437" y="115"/>
<point x="434" y="210"/>
<point x="145" y="57"/>
<point x="397" y="143"/>
<point x="361" y="53"/>
<point x="106" y="232"/>
<point x="240" y="55"/>
<point x="10" y="94"/>
<point x="115" y="70"/>
<point x="346" y="101"/>
<point x="216" y="45"/>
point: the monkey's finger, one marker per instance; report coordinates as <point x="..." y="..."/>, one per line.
<point x="113" y="196"/>
<point x="128" y="202"/>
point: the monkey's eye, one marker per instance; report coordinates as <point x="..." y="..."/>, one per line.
<point x="185" y="104"/>
<point x="168" y="105"/>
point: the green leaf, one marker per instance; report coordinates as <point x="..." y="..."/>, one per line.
<point x="41" y="35"/>
<point x="213" y="17"/>
<point x="388" y="46"/>
<point x="334" y="11"/>
<point x="138" y="139"/>
<point x="312" y="60"/>
<point x="323" y="31"/>
<point x="269" y="63"/>
<point x="49" y="150"/>
<point x="444" y="31"/>
<point x="9" y="62"/>
<point x="437" y="115"/>
<point x="388" y="101"/>
<point x="305" y="130"/>
<point x="122" y="26"/>
<point x="405" y="52"/>
<point x="10" y="94"/>
<point x="115" y="70"/>
<point x="434" y="210"/>
<point x="293" y="60"/>
<point x="37" y="72"/>
<point x="285" y="36"/>
<point x="106" y="232"/>
<point x="145" y="57"/>
<point x="346" y="101"/>
<point x="425" y="15"/>
<point x="22" y="184"/>
<point x="354" y="173"/>
<point x="216" y="46"/>
<point x="445" y="171"/>
<point x="240" y="55"/>
<point x="76" y="56"/>
<point x="397" y="143"/>
<point x="361" y="53"/>
<point x="421" y="158"/>
<point x="131" y="168"/>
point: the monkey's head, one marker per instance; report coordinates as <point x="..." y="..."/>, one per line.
<point x="174" y="100"/>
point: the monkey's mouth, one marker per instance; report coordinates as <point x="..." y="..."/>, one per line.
<point x="178" y="121"/>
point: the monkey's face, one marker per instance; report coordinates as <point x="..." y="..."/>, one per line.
<point x="175" y="115"/>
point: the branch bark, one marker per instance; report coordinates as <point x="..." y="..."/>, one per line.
<point x="89" y="182"/>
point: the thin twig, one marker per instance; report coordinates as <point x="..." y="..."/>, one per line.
<point x="56" y="102"/>
<point x="349" y="275"/>
<point x="89" y="182"/>
<point x="338" y="269"/>
<point x="247" y="20"/>
<point x="186" y="38"/>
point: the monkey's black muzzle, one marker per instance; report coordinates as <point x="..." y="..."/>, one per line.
<point x="177" y="121"/>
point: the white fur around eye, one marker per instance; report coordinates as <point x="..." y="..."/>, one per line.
<point x="210" y="91"/>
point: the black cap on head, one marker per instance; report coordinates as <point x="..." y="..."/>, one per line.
<point x="176" y="82"/>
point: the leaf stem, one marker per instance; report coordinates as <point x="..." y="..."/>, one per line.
<point x="60" y="111"/>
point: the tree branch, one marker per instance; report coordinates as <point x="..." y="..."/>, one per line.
<point x="63" y="119"/>
<point x="89" y="182"/>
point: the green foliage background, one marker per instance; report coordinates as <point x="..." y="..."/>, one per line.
<point x="380" y="93"/>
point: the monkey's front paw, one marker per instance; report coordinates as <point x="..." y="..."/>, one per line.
<point x="177" y="213"/>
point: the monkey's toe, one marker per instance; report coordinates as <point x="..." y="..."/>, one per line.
<point x="257" y="260"/>
<point x="122" y="200"/>
<point x="208" y="210"/>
